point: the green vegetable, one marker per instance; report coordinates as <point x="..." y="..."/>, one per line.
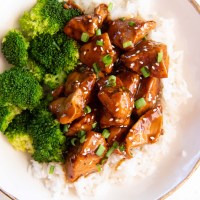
<point x="106" y="133"/>
<point x="111" y="81"/>
<point x="85" y="37"/>
<point x="131" y="23"/>
<point x="110" y="7"/>
<point x="107" y="60"/>
<point x="47" y="16"/>
<point x="87" y="110"/>
<point x="145" y="72"/>
<point x="96" y="69"/>
<point x="160" y="57"/>
<point x="122" y="148"/>
<point x="83" y="139"/>
<point x="66" y="128"/>
<point x="122" y="19"/>
<point x="44" y="49"/>
<point x="14" y="48"/>
<point x="94" y="125"/>
<point x="7" y="114"/>
<point x="99" y="43"/>
<point x="100" y="150"/>
<point x="73" y="140"/>
<point x="99" y="167"/>
<point x="81" y="133"/>
<point x="140" y="103"/>
<point x="19" y="88"/>
<point x="110" y="151"/>
<point x="51" y="169"/>
<point x="98" y="32"/>
<point x="127" y="44"/>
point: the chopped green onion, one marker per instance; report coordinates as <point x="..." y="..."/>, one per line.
<point x="100" y="150"/>
<point x="122" y="148"/>
<point x="106" y="133"/>
<point x="96" y="68"/>
<point x="122" y="19"/>
<point x="99" y="167"/>
<point x="73" y="140"/>
<point x="66" y="128"/>
<point x="85" y="37"/>
<point x="87" y="110"/>
<point x="81" y="133"/>
<point x="111" y="81"/>
<point x="160" y="57"/>
<point x="103" y="160"/>
<point x="107" y="60"/>
<point x="145" y="72"/>
<point x="110" y="151"/>
<point x="127" y="44"/>
<point x="110" y="7"/>
<point x="94" y="125"/>
<point x="144" y="38"/>
<point x="98" y="32"/>
<point x="83" y="138"/>
<point x="51" y="169"/>
<point x="99" y="43"/>
<point x="131" y="23"/>
<point x="140" y="103"/>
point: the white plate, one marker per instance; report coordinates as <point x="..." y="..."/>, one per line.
<point x="14" y="177"/>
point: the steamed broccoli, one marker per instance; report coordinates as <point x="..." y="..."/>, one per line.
<point x="53" y="81"/>
<point x="55" y="52"/>
<point x="18" y="135"/>
<point x="48" y="140"/>
<point x="14" y="48"/>
<point x="7" y="113"/>
<point x="47" y="16"/>
<point x="18" y="87"/>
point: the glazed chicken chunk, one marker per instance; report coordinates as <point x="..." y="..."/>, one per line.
<point x="86" y="23"/>
<point x="149" y="54"/>
<point x="146" y="130"/>
<point x="126" y="33"/>
<point x="77" y="93"/>
<point x="99" y="52"/>
<point x="83" y="160"/>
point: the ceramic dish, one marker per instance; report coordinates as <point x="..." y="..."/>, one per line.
<point x="14" y="176"/>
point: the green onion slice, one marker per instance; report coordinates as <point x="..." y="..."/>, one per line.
<point x="122" y="148"/>
<point x="84" y="37"/>
<point x="96" y="68"/>
<point x="160" y="57"/>
<point x="122" y="19"/>
<point x="110" y="151"/>
<point x="131" y="23"/>
<point x="111" y="81"/>
<point x="107" y="60"/>
<point x="140" y="103"/>
<point x="73" y="141"/>
<point x="110" y="7"/>
<point x="99" y="167"/>
<point x="66" y="128"/>
<point x="127" y="44"/>
<point x="87" y="110"/>
<point x="81" y="133"/>
<point x="100" y="150"/>
<point x="51" y="169"/>
<point x="106" y="133"/>
<point x="83" y="138"/>
<point x="98" y="32"/>
<point x="99" y="43"/>
<point x="94" y="125"/>
<point x="145" y="71"/>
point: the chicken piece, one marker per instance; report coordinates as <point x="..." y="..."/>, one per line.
<point x="78" y="90"/>
<point x="67" y="109"/>
<point x="150" y="54"/>
<point x="82" y="160"/>
<point x="149" y="89"/>
<point x="107" y="120"/>
<point x="146" y="130"/>
<point x="86" y="23"/>
<point x="125" y="34"/>
<point x="83" y="123"/>
<point x="130" y="81"/>
<point x="117" y="101"/>
<point x="100" y="52"/>
<point x="58" y="92"/>
<point x="84" y="81"/>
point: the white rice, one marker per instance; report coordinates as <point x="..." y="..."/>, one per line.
<point x="174" y="88"/>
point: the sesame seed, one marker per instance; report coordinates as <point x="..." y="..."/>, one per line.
<point x="152" y="138"/>
<point x="117" y="109"/>
<point x="90" y="20"/>
<point x="153" y="67"/>
<point x="84" y="88"/>
<point x="145" y="49"/>
<point x="84" y="52"/>
<point x="101" y="48"/>
<point x="141" y="62"/>
<point x="154" y="110"/>
<point x="130" y="138"/>
<point x="107" y="51"/>
<point x="131" y="130"/>
<point x="138" y="51"/>
<point x="86" y="92"/>
<point x="111" y="119"/>
<point x="157" y="64"/>
<point x="88" y="120"/>
<point x="136" y="28"/>
<point x="95" y="48"/>
<point x="117" y="120"/>
<point x="132" y="65"/>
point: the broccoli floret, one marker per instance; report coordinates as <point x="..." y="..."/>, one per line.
<point x="53" y="81"/>
<point x="7" y="114"/>
<point x="55" y="52"/>
<point x="48" y="140"/>
<point x="18" y="87"/>
<point x="47" y="16"/>
<point x="14" y="48"/>
<point x="37" y="70"/>
<point x="18" y="135"/>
